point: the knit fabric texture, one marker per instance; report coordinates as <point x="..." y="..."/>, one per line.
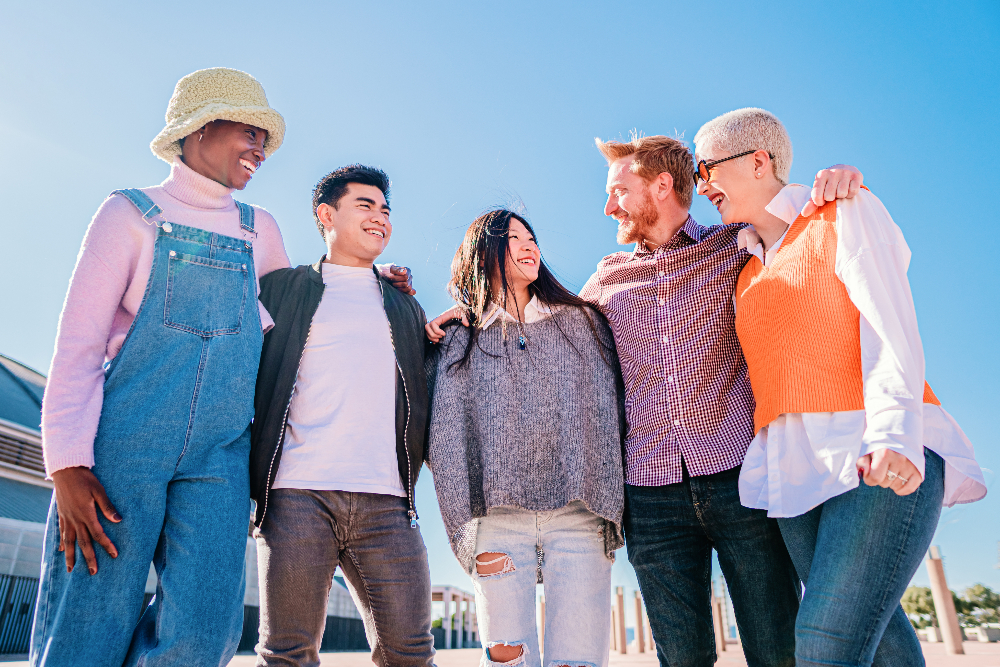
<point x="534" y="429"/>
<point x="218" y="93"/>
<point x="799" y="329"/>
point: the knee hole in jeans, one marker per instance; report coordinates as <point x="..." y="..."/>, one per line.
<point x="493" y="564"/>
<point x="505" y="654"/>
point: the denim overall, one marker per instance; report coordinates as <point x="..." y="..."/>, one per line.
<point x="172" y="451"/>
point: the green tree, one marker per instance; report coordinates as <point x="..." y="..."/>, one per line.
<point x="980" y="605"/>
<point x="918" y="603"/>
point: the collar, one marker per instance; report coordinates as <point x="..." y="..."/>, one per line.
<point x="195" y="190"/>
<point x="534" y="311"/>
<point x="788" y="204"/>
<point x="690" y="232"/>
<point x="316" y="272"/>
<point x="785" y="206"/>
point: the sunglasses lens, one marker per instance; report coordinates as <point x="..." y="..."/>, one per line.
<point x="702" y="171"/>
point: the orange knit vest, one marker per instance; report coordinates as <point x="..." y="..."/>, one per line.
<point x="799" y="330"/>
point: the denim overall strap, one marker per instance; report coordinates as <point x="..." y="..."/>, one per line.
<point x="246" y="216"/>
<point x="145" y="205"/>
<point x="172" y="452"/>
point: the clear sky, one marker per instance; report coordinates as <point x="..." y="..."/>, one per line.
<point x="469" y="105"/>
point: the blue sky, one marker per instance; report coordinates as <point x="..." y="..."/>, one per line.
<point x="469" y="105"/>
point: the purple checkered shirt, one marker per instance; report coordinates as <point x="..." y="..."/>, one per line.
<point x="687" y="392"/>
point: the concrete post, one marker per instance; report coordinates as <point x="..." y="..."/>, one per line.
<point x="622" y="637"/>
<point x="614" y="628"/>
<point x="447" y="617"/>
<point x="639" y="630"/>
<point x="541" y="628"/>
<point x="649" y="629"/>
<point x="944" y="605"/>
<point x="720" y="638"/>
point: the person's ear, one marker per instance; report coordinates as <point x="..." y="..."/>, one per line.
<point x="325" y="214"/>
<point x="664" y="185"/>
<point x="761" y="163"/>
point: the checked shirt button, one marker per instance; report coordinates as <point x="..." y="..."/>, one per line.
<point x="677" y="422"/>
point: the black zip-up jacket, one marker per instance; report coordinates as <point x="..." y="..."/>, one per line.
<point x="292" y="296"/>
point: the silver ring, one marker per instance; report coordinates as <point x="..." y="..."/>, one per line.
<point x="893" y="476"/>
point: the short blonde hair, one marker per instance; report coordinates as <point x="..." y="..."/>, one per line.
<point x="653" y="156"/>
<point x="750" y="129"/>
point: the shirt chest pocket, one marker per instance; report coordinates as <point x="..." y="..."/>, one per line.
<point x="205" y="296"/>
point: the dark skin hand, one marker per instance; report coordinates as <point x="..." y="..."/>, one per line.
<point x="77" y="493"/>
<point x="400" y="276"/>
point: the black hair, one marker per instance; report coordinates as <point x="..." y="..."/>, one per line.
<point x="483" y="254"/>
<point x="331" y="188"/>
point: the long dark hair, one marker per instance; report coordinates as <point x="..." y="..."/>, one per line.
<point x="483" y="254"/>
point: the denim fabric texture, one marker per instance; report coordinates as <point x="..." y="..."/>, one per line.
<point x="670" y="532"/>
<point x="172" y="453"/>
<point x="300" y="543"/>
<point x="567" y="546"/>
<point x="856" y="554"/>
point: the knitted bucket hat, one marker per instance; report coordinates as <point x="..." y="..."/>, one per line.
<point x="218" y="93"/>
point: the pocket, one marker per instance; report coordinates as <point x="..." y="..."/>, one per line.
<point x="204" y="296"/>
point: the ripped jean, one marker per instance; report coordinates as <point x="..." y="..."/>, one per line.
<point x="567" y="548"/>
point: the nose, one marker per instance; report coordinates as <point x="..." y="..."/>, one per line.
<point x="258" y="152"/>
<point x="702" y="187"/>
<point x="611" y="206"/>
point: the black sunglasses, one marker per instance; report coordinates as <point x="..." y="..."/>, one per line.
<point x="702" y="173"/>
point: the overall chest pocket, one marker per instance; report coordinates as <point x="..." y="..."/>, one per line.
<point x="205" y="296"/>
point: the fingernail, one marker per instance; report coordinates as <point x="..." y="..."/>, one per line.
<point x="117" y="516"/>
<point x="93" y="570"/>
<point x="861" y="473"/>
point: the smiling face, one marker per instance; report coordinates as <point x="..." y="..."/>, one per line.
<point x="523" y="257"/>
<point x="357" y="227"/>
<point x="227" y="152"/>
<point x="630" y="202"/>
<point x="736" y="187"/>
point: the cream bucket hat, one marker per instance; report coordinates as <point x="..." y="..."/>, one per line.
<point x="218" y="93"/>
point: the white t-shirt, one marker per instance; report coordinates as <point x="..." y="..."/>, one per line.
<point x="341" y="433"/>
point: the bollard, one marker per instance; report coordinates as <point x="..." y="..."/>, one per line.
<point x="622" y="637"/>
<point x="720" y="637"/>
<point x="639" y="630"/>
<point x="944" y="605"/>
<point x="541" y="630"/>
<point x="614" y="628"/>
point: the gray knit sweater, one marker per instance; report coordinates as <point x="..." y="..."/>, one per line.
<point x="536" y="428"/>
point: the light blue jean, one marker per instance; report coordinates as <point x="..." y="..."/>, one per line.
<point x="567" y="547"/>
<point x="172" y="453"/>
<point x="856" y="554"/>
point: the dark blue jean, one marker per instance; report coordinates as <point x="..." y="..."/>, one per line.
<point x="670" y="532"/>
<point x="856" y="554"/>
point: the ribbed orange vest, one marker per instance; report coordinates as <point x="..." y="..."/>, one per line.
<point x="799" y="330"/>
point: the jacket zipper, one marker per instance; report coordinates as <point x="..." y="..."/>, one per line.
<point x="284" y="424"/>
<point x="412" y="512"/>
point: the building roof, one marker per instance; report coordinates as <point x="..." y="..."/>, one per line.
<point x="24" y="502"/>
<point x="21" y="390"/>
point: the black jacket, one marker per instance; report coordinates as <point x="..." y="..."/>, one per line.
<point x="292" y="296"/>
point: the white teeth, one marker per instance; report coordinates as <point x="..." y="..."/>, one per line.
<point x="376" y="232"/>
<point x="249" y="166"/>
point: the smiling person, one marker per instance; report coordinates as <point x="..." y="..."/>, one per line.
<point x="525" y="445"/>
<point x="827" y="324"/>
<point x="145" y="422"/>
<point x="339" y="438"/>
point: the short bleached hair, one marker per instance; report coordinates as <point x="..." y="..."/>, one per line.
<point x="749" y="129"/>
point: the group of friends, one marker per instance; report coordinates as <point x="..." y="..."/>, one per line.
<point x="755" y="387"/>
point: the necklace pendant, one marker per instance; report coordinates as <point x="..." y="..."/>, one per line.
<point x="521" y="342"/>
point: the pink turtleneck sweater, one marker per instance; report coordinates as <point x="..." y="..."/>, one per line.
<point x="107" y="288"/>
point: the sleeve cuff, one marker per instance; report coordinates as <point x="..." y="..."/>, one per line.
<point x="68" y="461"/>
<point x="899" y="430"/>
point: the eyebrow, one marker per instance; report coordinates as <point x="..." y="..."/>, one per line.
<point x="372" y="202"/>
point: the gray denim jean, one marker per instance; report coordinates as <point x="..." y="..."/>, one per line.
<point x="303" y="538"/>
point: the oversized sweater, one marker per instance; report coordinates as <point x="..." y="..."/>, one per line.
<point x="534" y="429"/>
<point x="107" y="289"/>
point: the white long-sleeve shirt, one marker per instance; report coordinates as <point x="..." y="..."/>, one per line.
<point x="799" y="461"/>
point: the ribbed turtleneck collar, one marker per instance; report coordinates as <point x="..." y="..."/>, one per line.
<point x="195" y="190"/>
